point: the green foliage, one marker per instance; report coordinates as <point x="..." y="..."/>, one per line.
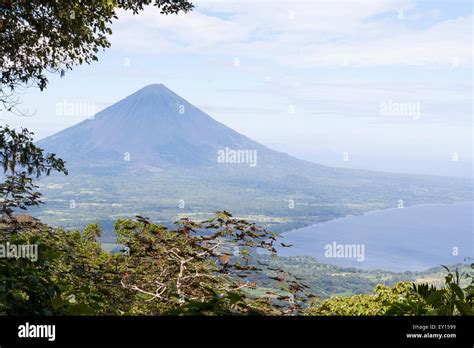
<point x="406" y="299"/>
<point x="191" y="270"/>
<point x="27" y="287"/>
<point x="375" y="304"/>
<point x="428" y="300"/>
<point x="200" y="267"/>
<point x="63" y="279"/>
<point x="54" y="36"/>
<point x="326" y="280"/>
<point x="21" y="161"/>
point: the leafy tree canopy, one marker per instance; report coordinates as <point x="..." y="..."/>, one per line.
<point x="407" y="298"/>
<point x="53" y="36"/>
<point x="21" y="161"/>
<point x="199" y="268"/>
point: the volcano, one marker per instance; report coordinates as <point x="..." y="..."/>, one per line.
<point x="153" y="149"/>
<point x="153" y="126"/>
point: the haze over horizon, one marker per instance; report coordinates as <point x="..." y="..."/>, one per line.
<point x="323" y="93"/>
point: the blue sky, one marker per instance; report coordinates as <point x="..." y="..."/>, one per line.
<point x="305" y="77"/>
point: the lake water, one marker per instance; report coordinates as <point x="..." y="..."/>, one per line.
<point x="412" y="238"/>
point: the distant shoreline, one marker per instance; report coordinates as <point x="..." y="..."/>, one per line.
<point x="376" y="211"/>
<point x="409" y="241"/>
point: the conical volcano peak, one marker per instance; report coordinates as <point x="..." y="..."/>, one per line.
<point x="154" y="124"/>
<point x="155" y="89"/>
<point x="153" y="101"/>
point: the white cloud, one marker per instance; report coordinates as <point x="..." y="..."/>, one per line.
<point x="444" y="44"/>
<point x="299" y="33"/>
